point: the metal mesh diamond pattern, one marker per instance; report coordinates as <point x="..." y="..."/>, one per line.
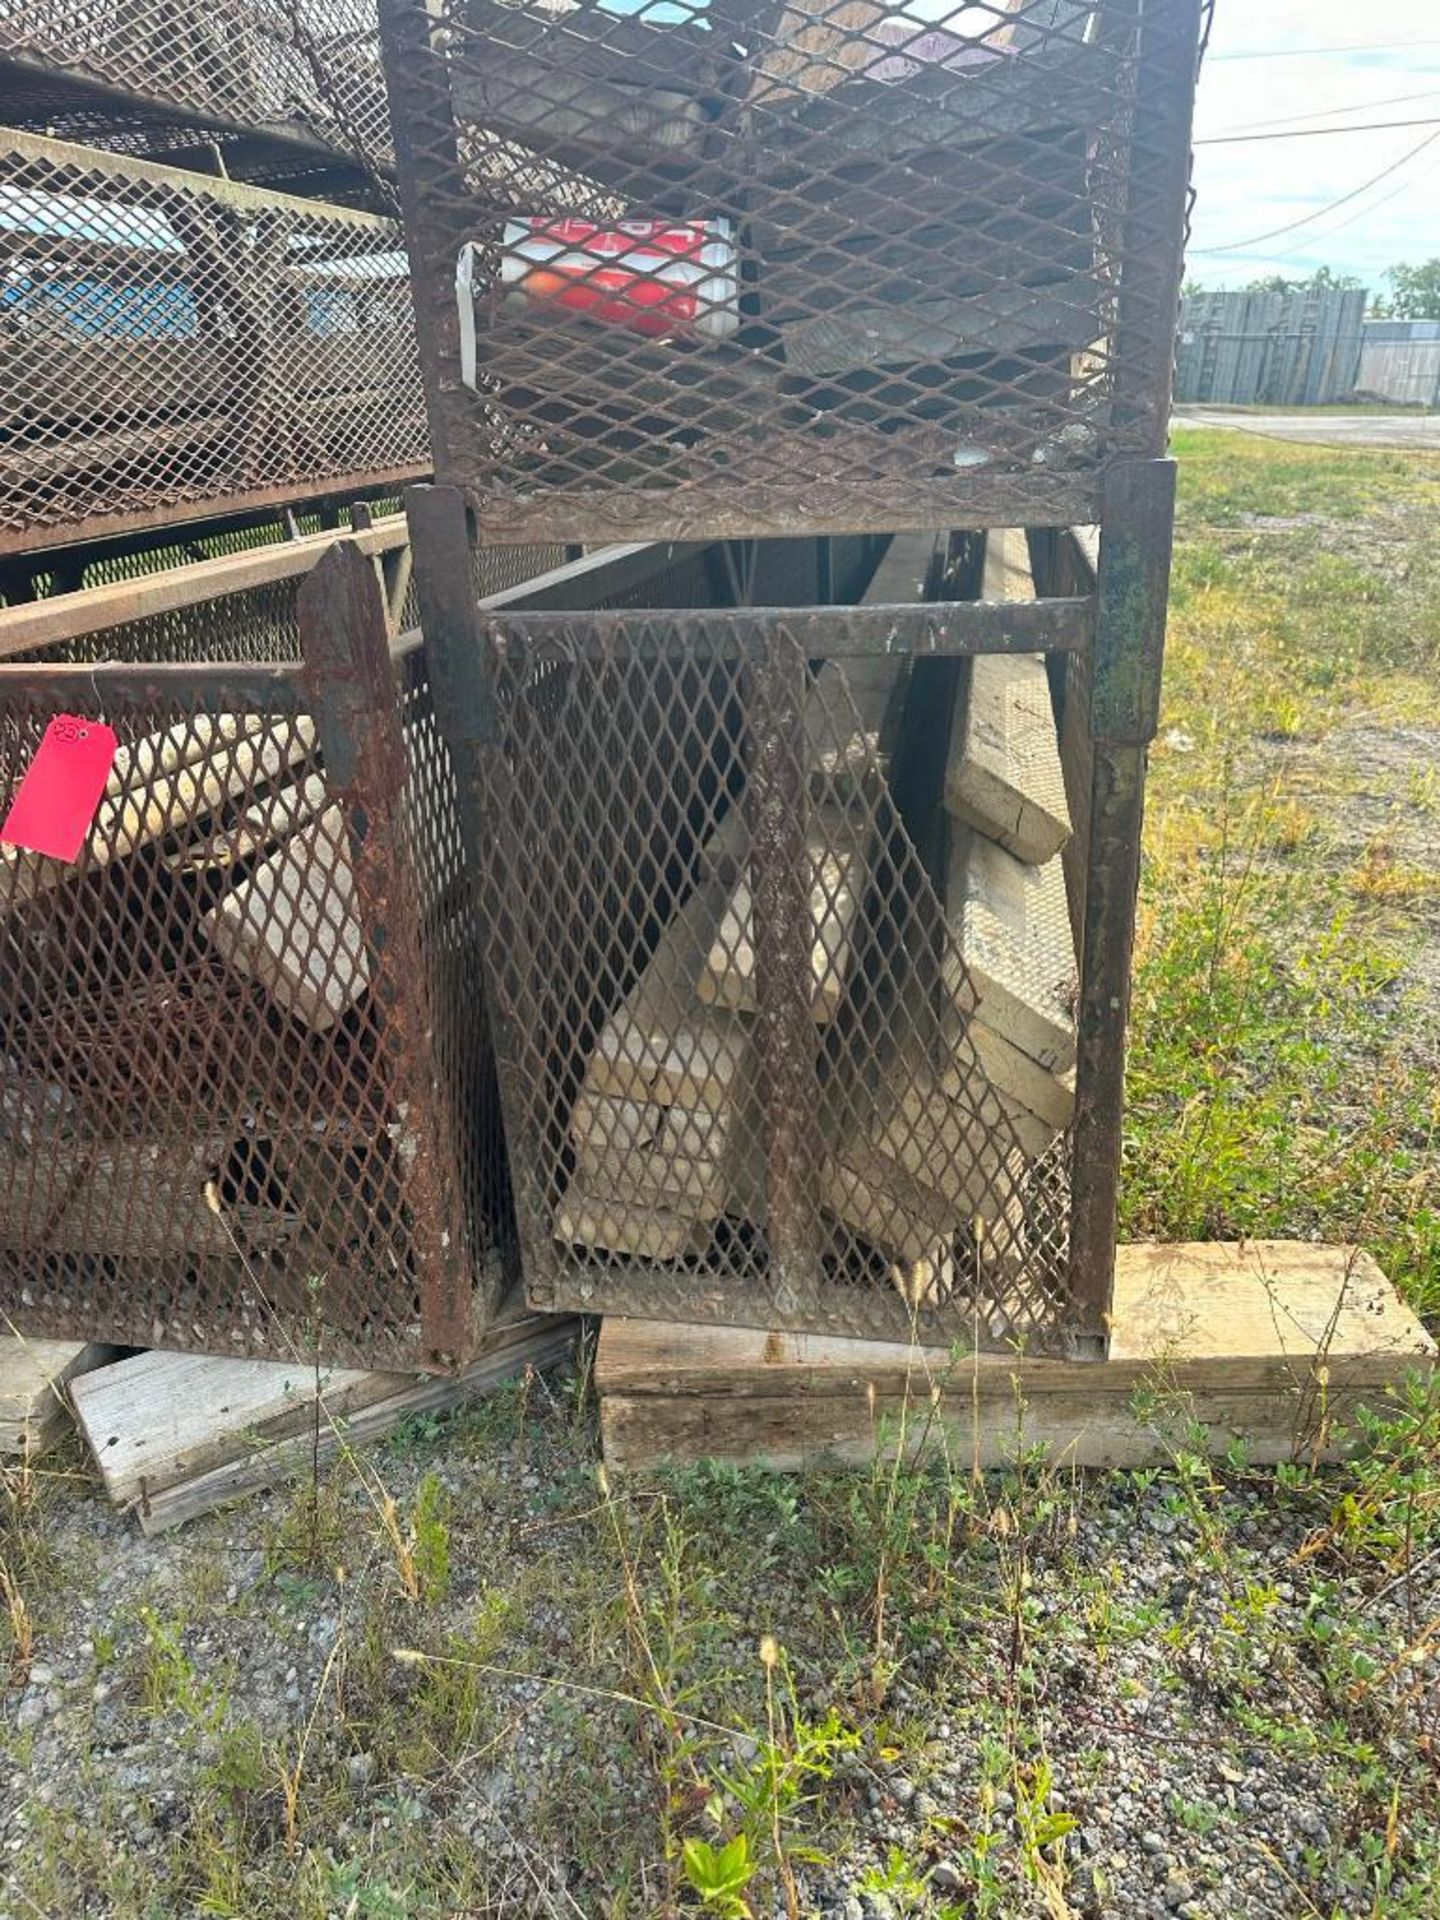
<point x="307" y="70"/>
<point x="746" y="266"/>
<point x="246" y="1089"/>
<point x="723" y="914"/>
<point x="172" y="340"/>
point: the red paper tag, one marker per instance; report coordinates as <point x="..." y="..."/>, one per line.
<point x="54" y="806"/>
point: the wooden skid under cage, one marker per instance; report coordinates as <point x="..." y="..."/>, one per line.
<point x="1262" y="1347"/>
<point x="178" y="1434"/>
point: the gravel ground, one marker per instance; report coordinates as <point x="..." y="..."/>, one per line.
<point x="1142" y="1661"/>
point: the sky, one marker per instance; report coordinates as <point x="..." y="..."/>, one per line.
<point x="1264" y="70"/>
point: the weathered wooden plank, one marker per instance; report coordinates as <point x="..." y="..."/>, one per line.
<point x="1074" y="1429"/>
<point x="1244" y="1314"/>
<point x="286" y="1458"/>
<point x="839" y="854"/>
<point x="589" y="1218"/>
<point x="176" y="1434"/>
<point x="1004" y="775"/>
<point x="644" y="1154"/>
<point x="1234" y="1335"/>
<point x="937" y="1117"/>
<point x="1021" y="1080"/>
<point x="158" y="1418"/>
<point x="1011" y="928"/>
<point x="294" y="926"/>
<point x="256" y="831"/>
<point x="34" y="1375"/>
<point x="663" y="1043"/>
<point x="907" y="1218"/>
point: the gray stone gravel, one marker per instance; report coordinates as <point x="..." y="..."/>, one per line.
<point x="1174" y="1697"/>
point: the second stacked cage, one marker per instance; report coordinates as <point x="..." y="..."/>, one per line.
<point x="808" y="867"/>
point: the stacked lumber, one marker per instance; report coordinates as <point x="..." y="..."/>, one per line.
<point x="1004" y="787"/>
<point x="971" y="1081"/>
<point x="217" y="851"/>
<point x="177" y="1434"/>
<point x="660" y="1124"/>
<point x="1004" y="775"/>
<point x="945" y="1040"/>
<point x="666" y="1129"/>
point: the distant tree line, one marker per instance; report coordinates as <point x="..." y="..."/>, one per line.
<point x="1412" y="292"/>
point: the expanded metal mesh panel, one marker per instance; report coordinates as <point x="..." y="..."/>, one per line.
<point x="309" y="69"/>
<point x="751" y="1071"/>
<point x="791" y="264"/>
<point x="171" y="340"/>
<point x="243" y="1069"/>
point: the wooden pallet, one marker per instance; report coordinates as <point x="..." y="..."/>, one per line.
<point x="1269" y="1343"/>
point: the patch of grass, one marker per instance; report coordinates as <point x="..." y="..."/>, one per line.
<point x="1283" y="1070"/>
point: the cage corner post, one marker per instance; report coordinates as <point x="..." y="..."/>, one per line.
<point x="344" y="642"/>
<point x="778" y="806"/>
<point x="1132" y="588"/>
<point x="440" y="535"/>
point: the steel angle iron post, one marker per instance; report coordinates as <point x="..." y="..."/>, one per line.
<point x="1137" y="513"/>
<point x="1132" y="588"/>
<point x="777" y="791"/>
<point x="345" y="644"/>
<point x="450" y="622"/>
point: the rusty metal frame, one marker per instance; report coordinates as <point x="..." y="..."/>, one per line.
<point x="1136" y="171"/>
<point x="444" y="1229"/>
<point x="1102" y="631"/>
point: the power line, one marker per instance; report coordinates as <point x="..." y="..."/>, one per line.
<point x="1360" y="213"/>
<point x="1239" y="246"/>
<point x="1316" y="53"/>
<point x="1312" y="133"/>
<point x="1329" y="113"/>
